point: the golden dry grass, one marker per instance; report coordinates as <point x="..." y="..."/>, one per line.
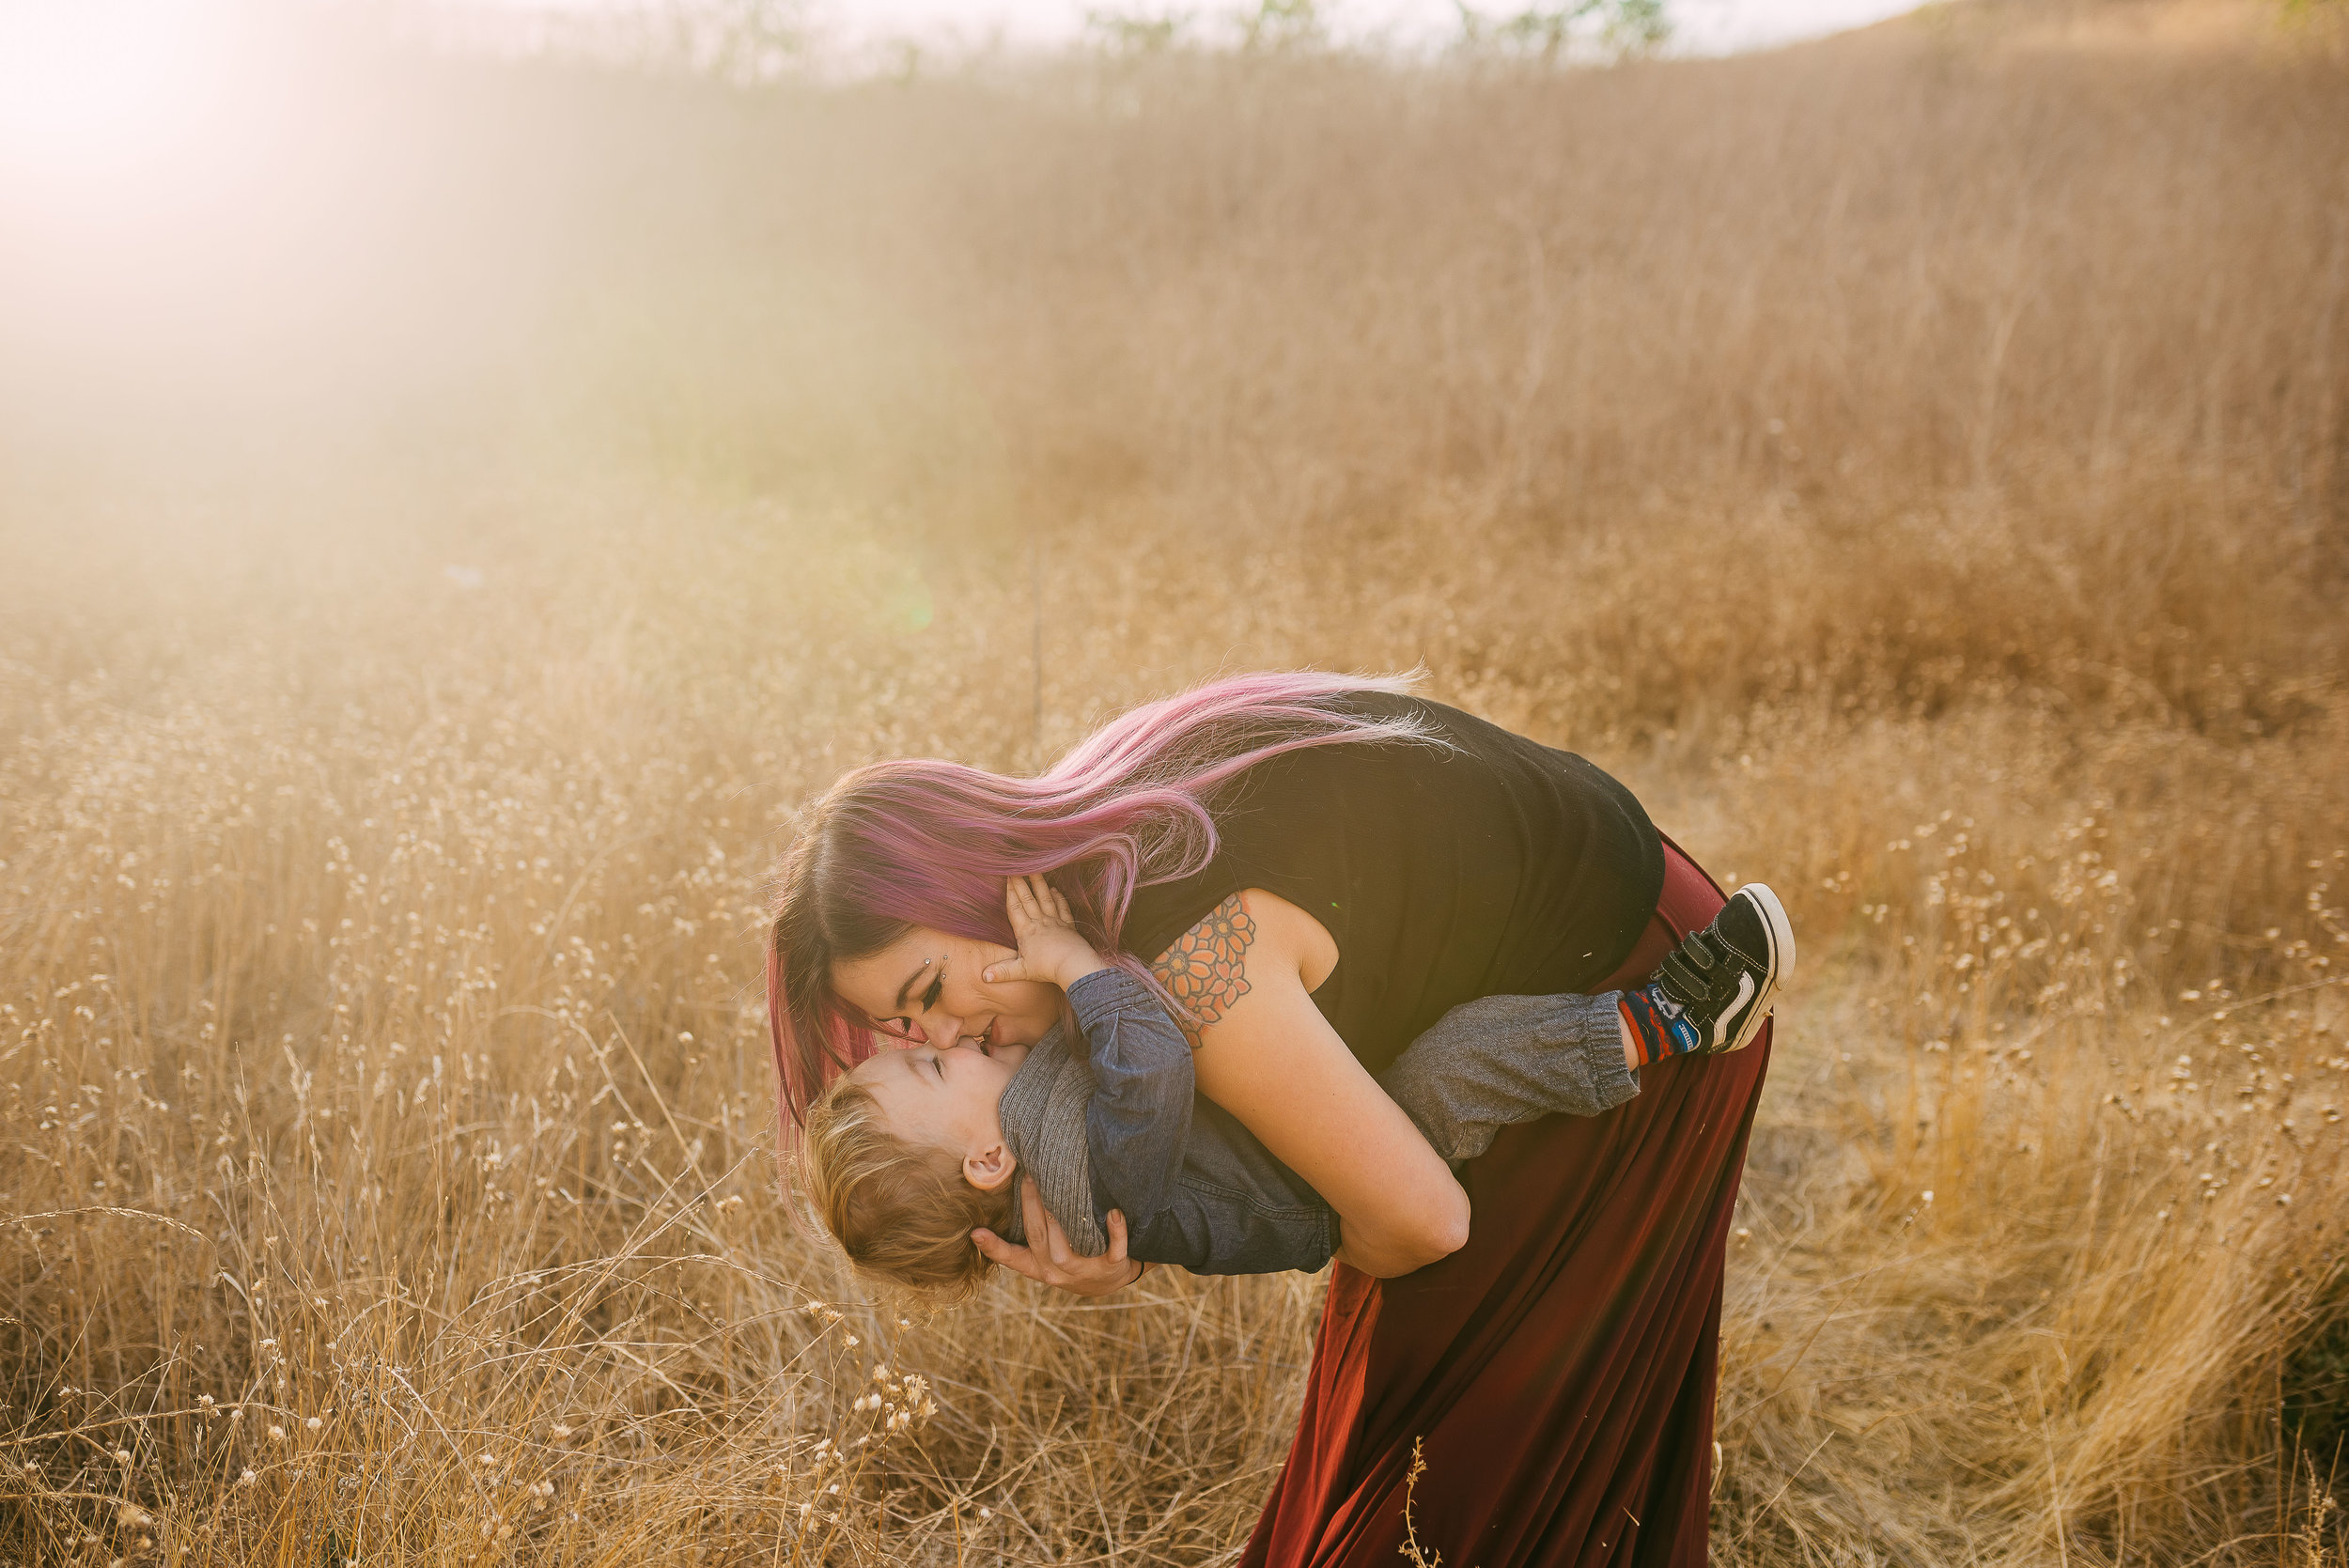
<point x="1919" y="464"/>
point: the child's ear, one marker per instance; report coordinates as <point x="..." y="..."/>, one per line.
<point x="989" y="1168"/>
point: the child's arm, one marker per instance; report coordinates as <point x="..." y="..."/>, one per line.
<point x="1138" y="1117"/>
<point x="1197" y="1189"/>
<point x="1501" y="1059"/>
<point x="1140" y="1112"/>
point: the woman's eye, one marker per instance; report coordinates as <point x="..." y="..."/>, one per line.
<point x="929" y="998"/>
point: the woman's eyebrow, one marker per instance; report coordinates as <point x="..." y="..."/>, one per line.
<point x="909" y="980"/>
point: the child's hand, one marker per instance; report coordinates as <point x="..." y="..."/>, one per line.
<point x="1049" y="947"/>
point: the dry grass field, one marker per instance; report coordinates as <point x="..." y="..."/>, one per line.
<point x="446" y="543"/>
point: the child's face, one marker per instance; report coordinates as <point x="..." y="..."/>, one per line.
<point x="945" y="1099"/>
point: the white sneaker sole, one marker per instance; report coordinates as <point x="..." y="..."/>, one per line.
<point x="1780" y="933"/>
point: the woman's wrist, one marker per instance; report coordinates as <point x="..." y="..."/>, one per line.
<point x="1128" y="1283"/>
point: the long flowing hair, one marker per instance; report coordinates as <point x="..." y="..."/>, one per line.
<point x="897" y="845"/>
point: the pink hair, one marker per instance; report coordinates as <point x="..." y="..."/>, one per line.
<point x="897" y="845"/>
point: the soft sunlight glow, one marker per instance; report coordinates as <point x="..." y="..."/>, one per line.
<point x="852" y="29"/>
<point x="1700" y="27"/>
<point x="95" y="91"/>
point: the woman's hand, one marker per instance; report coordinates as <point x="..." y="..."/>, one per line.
<point x="1054" y="1261"/>
<point x="1050" y="945"/>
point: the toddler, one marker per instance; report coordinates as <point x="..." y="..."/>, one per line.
<point x="916" y="1148"/>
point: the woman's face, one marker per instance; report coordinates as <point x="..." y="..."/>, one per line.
<point x="927" y="988"/>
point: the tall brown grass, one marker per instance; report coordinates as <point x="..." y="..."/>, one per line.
<point x="1918" y="463"/>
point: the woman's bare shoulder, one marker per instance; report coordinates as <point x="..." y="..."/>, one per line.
<point x="1265" y="1053"/>
<point x="1250" y="939"/>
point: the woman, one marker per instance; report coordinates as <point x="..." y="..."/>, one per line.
<point x="1316" y="869"/>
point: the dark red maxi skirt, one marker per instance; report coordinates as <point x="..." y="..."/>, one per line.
<point x="1559" y="1369"/>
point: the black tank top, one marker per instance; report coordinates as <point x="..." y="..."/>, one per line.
<point x="1494" y="866"/>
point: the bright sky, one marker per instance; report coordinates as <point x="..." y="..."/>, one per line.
<point x="1704" y="25"/>
<point x="95" y="89"/>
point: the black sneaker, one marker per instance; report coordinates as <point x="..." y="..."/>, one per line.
<point x="1722" y="979"/>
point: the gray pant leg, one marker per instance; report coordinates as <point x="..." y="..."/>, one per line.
<point x="1501" y="1059"/>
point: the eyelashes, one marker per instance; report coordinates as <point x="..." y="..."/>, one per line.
<point x="937" y="987"/>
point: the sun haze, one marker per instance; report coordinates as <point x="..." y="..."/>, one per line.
<point x="469" y="486"/>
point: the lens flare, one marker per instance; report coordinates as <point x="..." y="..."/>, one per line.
<point x="92" y="91"/>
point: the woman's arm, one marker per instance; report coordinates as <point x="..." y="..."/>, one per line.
<point x="1268" y="1056"/>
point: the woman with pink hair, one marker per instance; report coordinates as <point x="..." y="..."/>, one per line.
<point x="1310" y="870"/>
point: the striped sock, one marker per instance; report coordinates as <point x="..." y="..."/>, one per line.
<point x="1659" y="1028"/>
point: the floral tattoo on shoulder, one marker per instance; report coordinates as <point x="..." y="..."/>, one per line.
<point x="1207" y="969"/>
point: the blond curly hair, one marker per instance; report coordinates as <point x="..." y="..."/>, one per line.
<point x="902" y="1211"/>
